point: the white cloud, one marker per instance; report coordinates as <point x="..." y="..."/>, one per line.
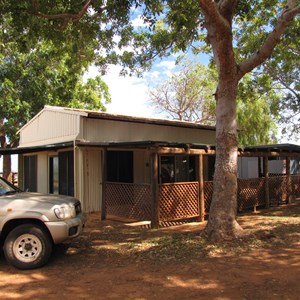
<point x="129" y="95"/>
<point x="138" y="22"/>
<point x="168" y="64"/>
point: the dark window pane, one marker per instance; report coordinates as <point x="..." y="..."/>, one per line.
<point x="192" y="168"/>
<point x="211" y="167"/>
<point x="66" y="173"/>
<point x="30" y="173"/>
<point x="167" y="169"/>
<point x="177" y="168"/>
<point x="53" y="175"/>
<point x="120" y="166"/>
<point x="182" y="168"/>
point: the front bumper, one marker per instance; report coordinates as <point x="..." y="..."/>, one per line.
<point x="66" y="229"/>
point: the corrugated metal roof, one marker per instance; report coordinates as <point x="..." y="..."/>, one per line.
<point x="147" y="143"/>
<point x="21" y="150"/>
<point x="123" y="118"/>
<point x="274" y="148"/>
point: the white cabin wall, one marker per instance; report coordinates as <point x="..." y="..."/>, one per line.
<point x="118" y="131"/>
<point x="141" y="164"/>
<point x="91" y="180"/>
<point x="277" y="166"/>
<point x="50" y="127"/>
<point x="247" y="167"/>
<point x="42" y="172"/>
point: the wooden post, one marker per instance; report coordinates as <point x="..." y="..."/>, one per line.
<point x="104" y="178"/>
<point x="154" y="190"/>
<point x="259" y="167"/>
<point x="288" y="180"/>
<point x="201" y="190"/>
<point x="266" y="175"/>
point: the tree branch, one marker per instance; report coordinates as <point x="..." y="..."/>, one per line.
<point x="226" y="8"/>
<point x="66" y="17"/>
<point x="288" y="14"/>
<point x="218" y="22"/>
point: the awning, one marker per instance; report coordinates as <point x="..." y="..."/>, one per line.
<point x="21" y="150"/>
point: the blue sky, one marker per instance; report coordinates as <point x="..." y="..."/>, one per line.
<point x="130" y="94"/>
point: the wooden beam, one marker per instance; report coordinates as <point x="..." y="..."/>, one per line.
<point x="154" y="190"/>
<point x="104" y="179"/>
<point x="289" y="180"/>
<point x="266" y="175"/>
<point x="268" y="154"/>
<point x="201" y="190"/>
<point x="185" y="151"/>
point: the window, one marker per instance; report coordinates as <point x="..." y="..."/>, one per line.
<point x="53" y="175"/>
<point x="177" y="168"/>
<point x="66" y="173"/>
<point x="120" y="166"/>
<point x="30" y="173"/>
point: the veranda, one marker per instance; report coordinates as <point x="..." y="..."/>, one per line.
<point x="160" y="202"/>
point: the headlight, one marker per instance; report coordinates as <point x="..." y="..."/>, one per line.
<point x="65" y="211"/>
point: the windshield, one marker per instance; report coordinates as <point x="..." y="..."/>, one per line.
<point x="6" y="187"/>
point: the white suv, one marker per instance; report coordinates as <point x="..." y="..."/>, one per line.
<point x="31" y="223"/>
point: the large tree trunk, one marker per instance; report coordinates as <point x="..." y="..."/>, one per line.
<point x="218" y="15"/>
<point x="6" y="158"/>
<point x="222" y="222"/>
<point x="7" y="167"/>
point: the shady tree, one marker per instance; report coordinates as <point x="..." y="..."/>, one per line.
<point x="185" y="24"/>
<point x="174" y="26"/>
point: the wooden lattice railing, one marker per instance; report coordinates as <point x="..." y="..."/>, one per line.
<point x="251" y="193"/>
<point x="295" y="189"/>
<point x="278" y="189"/>
<point x="126" y="200"/>
<point x="181" y="200"/>
<point x="178" y="201"/>
<point x="208" y="192"/>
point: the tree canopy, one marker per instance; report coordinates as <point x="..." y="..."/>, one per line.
<point x="33" y="74"/>
<point x="185" y="23"/>
<point x="283" y="66"/>
<point x="188" y="94"/>
<point x="93" y="29"/>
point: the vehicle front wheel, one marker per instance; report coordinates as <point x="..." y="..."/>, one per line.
<point x="27" y="246"/>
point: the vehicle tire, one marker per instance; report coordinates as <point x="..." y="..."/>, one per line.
<point x="27" y="246"/>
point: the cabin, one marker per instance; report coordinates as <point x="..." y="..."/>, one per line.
<point x="140" y="168"/>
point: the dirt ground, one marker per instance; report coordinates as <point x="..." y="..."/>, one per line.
<point x="113" y="260"/>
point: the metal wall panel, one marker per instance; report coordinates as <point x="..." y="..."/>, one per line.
<point x="50" y="127"/>
<point x="117" y="131"/>
<point x="92" y="180"/>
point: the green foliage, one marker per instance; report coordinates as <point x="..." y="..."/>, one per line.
<point x="46" y="73"/>
<point x="282" y="67"/>
<point x="257" y="111"/>
<point x="66" y="38"/>
<point x="189" y="95"/>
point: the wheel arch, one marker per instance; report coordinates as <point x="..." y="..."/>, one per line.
<point x="11" y="224"/>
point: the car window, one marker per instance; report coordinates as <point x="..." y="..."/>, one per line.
<point x="6" y="188"/>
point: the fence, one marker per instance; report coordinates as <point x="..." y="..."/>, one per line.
<point x="181" y="200"/>
<point x="126" y="200"/>
<point x="252" y="192"/>
<point x="178" y="201"/>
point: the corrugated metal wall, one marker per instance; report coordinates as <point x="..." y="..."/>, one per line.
<point x="90" y="177"/>
<point x="116" y="131"/>
<point x="50" y="127"/>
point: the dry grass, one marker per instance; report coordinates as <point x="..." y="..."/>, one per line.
<point x="273" y="228"/>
